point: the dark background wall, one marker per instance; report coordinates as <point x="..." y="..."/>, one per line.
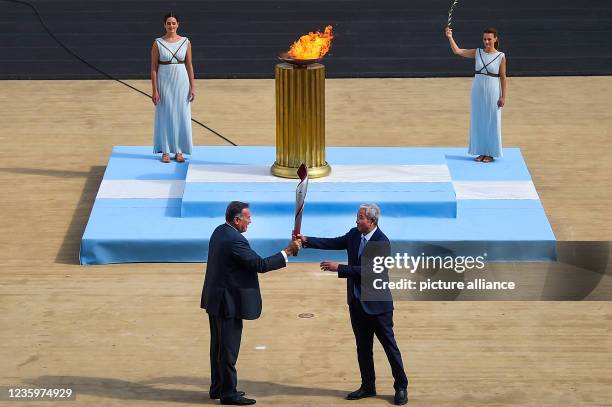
<point x="241" y="38"/>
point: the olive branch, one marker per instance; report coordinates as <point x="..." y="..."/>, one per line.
<point x="450" y="13"/>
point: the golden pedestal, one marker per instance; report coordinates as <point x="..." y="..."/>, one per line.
<point x="300" y="120"/>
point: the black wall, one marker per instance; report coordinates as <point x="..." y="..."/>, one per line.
<point x="241" y="38"/>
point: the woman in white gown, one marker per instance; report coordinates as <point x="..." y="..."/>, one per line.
<point x="488" y="95"/>
<point x="173" y="91"/>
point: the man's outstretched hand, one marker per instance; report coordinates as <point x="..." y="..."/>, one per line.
<point x="294" y="247"/>
<point x="299" y="237"/>
<point x="329" y="265"/>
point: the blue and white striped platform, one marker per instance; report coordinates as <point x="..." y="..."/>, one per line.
<point x="148" y="211"/>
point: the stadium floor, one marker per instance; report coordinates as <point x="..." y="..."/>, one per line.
<point x="134" y="334"/>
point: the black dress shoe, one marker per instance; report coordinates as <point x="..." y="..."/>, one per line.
<point x="401" y="397"/>
<point x="216" y="396"/>
<point x="361" y="393"/>
<point x="238" y="401"/>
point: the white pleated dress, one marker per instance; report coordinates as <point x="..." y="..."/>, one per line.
<point x="172" y="132"/>
<point x="485" y="118"/>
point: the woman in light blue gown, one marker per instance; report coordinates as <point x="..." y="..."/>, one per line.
<point x="488" y="95"/>
<point x="173" y="91"/>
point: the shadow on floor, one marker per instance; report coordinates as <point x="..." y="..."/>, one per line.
<point x="153" y="389"/>
<point x="69" y="250"/>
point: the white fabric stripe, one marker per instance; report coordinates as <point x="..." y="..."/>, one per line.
<point x="495" y="190"/>
<point x="151" y="189"/>
<point x="141" y="189"/>
<point x="340" y="173"/>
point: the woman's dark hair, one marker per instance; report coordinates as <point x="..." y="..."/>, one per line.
<point x="167" y="16"/>
<point x="234" y="209"/>
<point x="488" y="30"/>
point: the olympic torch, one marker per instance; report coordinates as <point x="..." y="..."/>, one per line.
<point x="300" y="197"/>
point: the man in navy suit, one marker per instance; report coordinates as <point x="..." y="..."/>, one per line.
<point x="368" y="318"/>
<point x="231" y="294"/>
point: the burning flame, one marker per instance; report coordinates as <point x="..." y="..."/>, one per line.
<point x="312" y="45"/>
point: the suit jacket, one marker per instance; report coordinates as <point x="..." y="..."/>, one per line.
<point x="231" y="286"/>
<point x="353" y="271"/>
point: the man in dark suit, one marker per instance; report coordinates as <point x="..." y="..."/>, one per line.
<point x="368" y="318"/>
<point x="231" y="294"/>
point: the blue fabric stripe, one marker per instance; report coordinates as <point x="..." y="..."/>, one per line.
<point x="394" y="199"/>
<point x="114" y="235"/>
<point x="137" y="162"/>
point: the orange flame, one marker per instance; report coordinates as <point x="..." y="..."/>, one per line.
<point x="312" y="45"/>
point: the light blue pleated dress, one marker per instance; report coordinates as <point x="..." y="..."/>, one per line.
<point x="485" y="118"/>
<point x="172" y="132"/>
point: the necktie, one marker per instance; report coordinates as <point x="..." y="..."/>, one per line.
<point x="362" y="245"/>
<point x="357" y="287"/>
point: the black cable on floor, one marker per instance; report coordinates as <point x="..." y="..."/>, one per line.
<point x="68" y="50"/>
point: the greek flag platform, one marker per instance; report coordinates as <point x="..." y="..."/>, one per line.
<point x="148" y="211"/>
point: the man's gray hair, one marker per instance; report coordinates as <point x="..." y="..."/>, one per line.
<point x="372" y="211"/>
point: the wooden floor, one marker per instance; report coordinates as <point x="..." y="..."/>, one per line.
<point x="134" y="334"/>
